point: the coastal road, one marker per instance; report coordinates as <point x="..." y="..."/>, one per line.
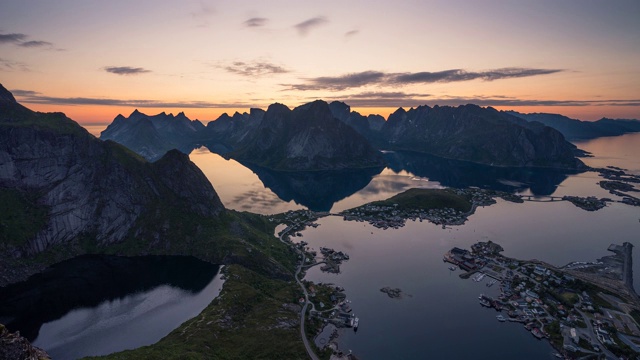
<point x="307" y="346"/>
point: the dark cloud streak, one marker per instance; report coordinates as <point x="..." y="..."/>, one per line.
<point x="354" y="80"/>
<point x="256" y="68"/>
<point x="125" y="70"/>
<point x="308" y="25"/>
<point x="256" y="22"/>
<point x="12" y="38"/>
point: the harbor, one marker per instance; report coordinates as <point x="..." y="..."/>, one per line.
<point x="566" y="306"/>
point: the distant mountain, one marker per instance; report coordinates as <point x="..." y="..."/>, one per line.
<point x="367" y="126"/>
<point x="65" y="193"/>
<point x="153" y="136"/>
<point x="574" y="129"/>
<point x="321" y="136"/>
<point x="308" y="137"/>
<point x="480" y="135"/>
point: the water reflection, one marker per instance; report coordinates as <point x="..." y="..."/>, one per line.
<point x="316" y="190"/>
<point x="90" y="281"/>
<point x="460" y="174"/>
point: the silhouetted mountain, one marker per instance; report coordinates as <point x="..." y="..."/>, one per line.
<point x="367" y="126"/>
<point x="481" y="135"/>
<point x="153" y="136"/>
<point x="574" y="129"/>
<point x="317" y="190"/>
<point x="305" y="138"/>
<point x="226" y="133"/>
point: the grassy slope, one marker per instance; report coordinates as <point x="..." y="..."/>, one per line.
<point x="428" y="199"/>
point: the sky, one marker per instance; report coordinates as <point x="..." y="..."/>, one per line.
<point x="95" y="59"/>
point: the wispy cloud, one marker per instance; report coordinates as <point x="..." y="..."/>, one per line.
<point x="19" y="40"/>
<point x="255" y="68"/>
<point x="203" y="14"/>
<point x="10" y="65"/>
<point x="351" y="33"/>
<point x="12" y="38"/>
<point x="310" y="24"/>
<point x="35" y="43"/>
<point x="125" y="70"/>
<point x="256" y="22"/>
<point x="402" y="99"/>
<point x="355" y="80"/>
<point x="34" y="97"/>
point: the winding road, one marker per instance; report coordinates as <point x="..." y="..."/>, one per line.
<point x="307" y="346"/>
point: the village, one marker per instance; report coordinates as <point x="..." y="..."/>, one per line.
<point x="579" y="318"/>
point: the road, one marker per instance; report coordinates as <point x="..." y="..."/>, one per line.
<point x="303" y="334"/>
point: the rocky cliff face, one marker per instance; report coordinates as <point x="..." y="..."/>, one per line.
<point x="87" y="188"/>
<point x="308" y="137"/>
<point x="15" y="347"/>
<point x="476" y="134"/>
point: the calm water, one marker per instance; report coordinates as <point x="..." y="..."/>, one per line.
<point x="97" y="305"/>
<point x="439" y="317"/>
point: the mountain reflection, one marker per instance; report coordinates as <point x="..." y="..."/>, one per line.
<point x="460" y="174"/>
<point x="316" y="190"/>
<point x="86" y="281"/>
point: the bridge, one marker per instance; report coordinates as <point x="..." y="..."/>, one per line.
<point x="540" y="198"/>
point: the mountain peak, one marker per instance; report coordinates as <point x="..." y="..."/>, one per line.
<point x="6" y="95"/>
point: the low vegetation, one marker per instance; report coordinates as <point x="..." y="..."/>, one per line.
<point x="414" y="199"/>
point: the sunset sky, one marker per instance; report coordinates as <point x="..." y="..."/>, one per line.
<point x="95" y="59"/>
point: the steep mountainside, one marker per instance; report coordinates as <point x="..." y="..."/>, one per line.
<point x="153" y="136"/>
<point x="476" y="134"/>
<point x="308" y="137"/>
<point x="64" y="193"/>
<point x="573" y="129"/>
<point x="227" y="132"/>
<point x="367" y="126"/>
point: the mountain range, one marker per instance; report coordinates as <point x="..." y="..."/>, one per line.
<point x="329" y="136"/>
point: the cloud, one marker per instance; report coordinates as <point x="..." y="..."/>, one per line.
<point x="354" y="80"/>
<point x="18" y="39"/>
<point x="463" y="75"/>
<point x="12" y="38"/>
<point x="351" y="33"/>
<point x="256" y="22"/>
<point x="401" y="99"/>
<point x="33" y="97"/>
<point x="35" y="43"/>
<point x="308" y="25"/>
<point x="337" y="83"/>
<point x="203" y="14"/>
<point x="256" y="68"/>
<point x="10" y="65"/>
<point x="125" y="70"/>
<point x="18" y="92"/>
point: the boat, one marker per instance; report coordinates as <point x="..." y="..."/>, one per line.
<point x="537" y="333"/>
<point x="558" y="355"/>
<point x="484" y="302"/>
<point x="501" y="318"/>
<point x="355" y="323"/>
<point x="452" y="268"/>
<point x="491" y="283"/>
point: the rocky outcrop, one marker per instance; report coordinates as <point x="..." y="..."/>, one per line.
<point x="481" y="135"/>
<point x="90" y="189"/>
<point x="15" y="347"/>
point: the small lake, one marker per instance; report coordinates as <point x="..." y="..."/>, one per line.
<point x="97" y="305"/>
